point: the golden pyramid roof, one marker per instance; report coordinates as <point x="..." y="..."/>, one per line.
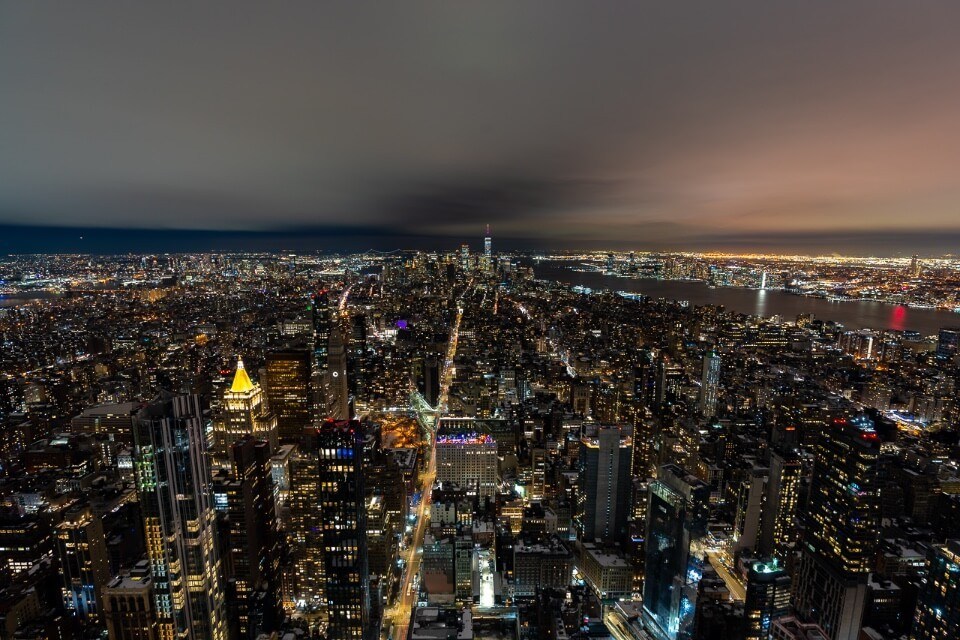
<point x="241" y="381"/>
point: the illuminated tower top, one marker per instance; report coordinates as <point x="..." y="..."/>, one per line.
<point x="241" y="381"/>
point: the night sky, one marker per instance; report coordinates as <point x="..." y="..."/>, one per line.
<point x="809" y="126"/>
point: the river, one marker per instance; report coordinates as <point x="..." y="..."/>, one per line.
<point x="853" y="314"/>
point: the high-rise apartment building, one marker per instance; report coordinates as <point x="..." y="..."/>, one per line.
<point x="179" y="521"/>
<point x="840" y="538"/>
<point x="606" y="485"/>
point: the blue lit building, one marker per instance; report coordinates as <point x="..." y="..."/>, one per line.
<point x="676" y="520"/>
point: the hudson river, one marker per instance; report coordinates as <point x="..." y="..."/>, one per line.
<point x="853" y="314"/>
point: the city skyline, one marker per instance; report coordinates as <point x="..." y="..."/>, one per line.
<point x="740" y="127"/>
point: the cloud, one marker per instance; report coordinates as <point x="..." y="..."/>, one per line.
<point x="608" y="124"/>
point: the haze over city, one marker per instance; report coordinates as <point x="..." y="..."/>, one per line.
<point x="741" y="126"/>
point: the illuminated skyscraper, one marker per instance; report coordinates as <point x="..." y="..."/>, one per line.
<point x="179" y="521"/>
<point x="842" y="529"/>
<point x="84" y="567"/>
<point x="606" y="485"/>
<point x="328" y="520"/>
<point x="339" y="449"/>
<point x="938" y="606"/>
<point x="676" y="520"/>
<point x="288" y="389"/>
<point x="243" y="413"/>
<point x="709" y="383"/>
<point x="306" y="520"/>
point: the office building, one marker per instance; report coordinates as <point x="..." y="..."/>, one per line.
<point x="179" y="521"/>
<point x="676" y="519"/>
<point x="466" y="457"/>
<point x="249" y="534"/>
<point x="841" y="534"/>
<point x="606" y="485"/>
<point x="547" y="564"/>
<point x="287" y="383"/>
<point x="84" y="567"/>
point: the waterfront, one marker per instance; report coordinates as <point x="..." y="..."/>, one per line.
<point x="18" y="299"/>
<point x="853" y="314"/>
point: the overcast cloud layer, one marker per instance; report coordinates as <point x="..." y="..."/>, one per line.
<point x="747" y="125"/>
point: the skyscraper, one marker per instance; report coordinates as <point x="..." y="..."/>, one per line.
<point x="250" y="535"/>
<point x="488" y="250"/>
<point x="768" y="598"/>
<point x="322" y="324"/>
<point x="842" y="529"/>
<point x="676" y="518"/>
<point x="84" y="567"/>
<point x="938" y="606"/>
<point x="709" y="382"/>
<point x="340" y="494"/>
<point x="243" y="413"/>
<point x="176" y="502"/>
<point x="288" y="390"/>
<point x="606" y="485"/>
